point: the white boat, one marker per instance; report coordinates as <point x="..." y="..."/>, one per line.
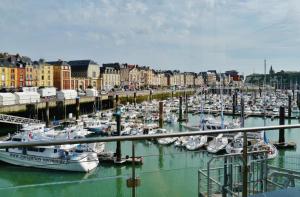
<point x="235" y="146"/>
<point x="167" y="140"/>
<point x="272" y="151"/>
<point x="62" y="157"/>
<point x="181" y="141"/>
<point x="217" y="144"/>
<point x="196" y="142"/>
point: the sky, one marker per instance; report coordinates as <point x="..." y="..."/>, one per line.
<point x="189" y="35"/>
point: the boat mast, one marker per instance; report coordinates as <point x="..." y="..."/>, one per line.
<point x="221" y="100"/>
<point x="264" y="99"/>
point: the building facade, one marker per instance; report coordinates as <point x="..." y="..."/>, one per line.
<point x="110" y="78"/>
<point x="61" y="74"/>
<point x="84" y="73"/>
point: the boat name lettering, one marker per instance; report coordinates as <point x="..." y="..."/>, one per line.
<point x="37" y="158"/>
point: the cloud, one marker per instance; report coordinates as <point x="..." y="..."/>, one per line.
<point x="170" y="33"/>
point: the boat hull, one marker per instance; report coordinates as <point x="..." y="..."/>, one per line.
<point x="85" y="164"/>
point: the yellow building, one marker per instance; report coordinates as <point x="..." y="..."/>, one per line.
<point x="4" y="73"/>
<point x="43" y="73"/>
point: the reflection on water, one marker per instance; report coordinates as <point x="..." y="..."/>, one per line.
<point x="119" y="182"/>
<point x="160" y="157"/>
<point x="174" y="168"/>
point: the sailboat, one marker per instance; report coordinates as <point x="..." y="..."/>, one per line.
<point x="219" y="142"/>
<point x="264" y="143"/>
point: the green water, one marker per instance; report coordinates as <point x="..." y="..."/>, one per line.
<point x="167" y="171"/>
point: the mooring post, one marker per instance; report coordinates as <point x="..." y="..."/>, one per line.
<point x="77" y="108"/>
<point x="111" y="102"/>
<point x="161" y="110"/>
<point x="100" y="103"/>
<point x="47" y="114"/>
<point x="281" y="122"/>
<point x="134" y="99"/>
<point x="233" y="104"/>
<point x="150" y="95"/>
<point x="180" y="108"/>
<point x="259" y="91"/>
<point x="293" y="91"/>
<point x="118" y="149"/>
<point x="290" y="106"/>
<point x="186" y="107"/>
<point x="298" y="99"/>
<point x="117" y="102"/>
<point x="245" y="157"/>
<point x="97" y="103"/>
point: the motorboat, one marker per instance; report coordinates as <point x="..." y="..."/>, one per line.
<point x="196" y="142"/>
<point x="58" y="157"/>
<point x="217" y="144"/>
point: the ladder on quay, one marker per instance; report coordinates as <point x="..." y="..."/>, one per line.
<point x="4" y="118"/>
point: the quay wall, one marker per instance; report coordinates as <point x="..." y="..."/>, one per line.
<point x="59" y="110"/>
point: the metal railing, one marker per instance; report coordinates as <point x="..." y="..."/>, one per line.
<point x="17" y="119"/>
<point x="144" y="137"/>
<point x="156" y="136"/>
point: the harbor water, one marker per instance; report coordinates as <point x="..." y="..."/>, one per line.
<point x="167" y="170"/>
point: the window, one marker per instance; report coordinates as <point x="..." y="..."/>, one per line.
<point x="94" y="74"/>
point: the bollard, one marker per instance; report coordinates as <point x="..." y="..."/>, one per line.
<point x="47" y="114"/>
<point x="281" y="122"/>
<point x="161" y="110"/>
<point x="77" y="108"/>
<point x="118" y="148"/>
<point x="180" y="108"/>
<point x="172" y="94"/>
<point x="290" y="106"/>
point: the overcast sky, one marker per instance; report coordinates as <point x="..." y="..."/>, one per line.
<point x="190" y="35"/>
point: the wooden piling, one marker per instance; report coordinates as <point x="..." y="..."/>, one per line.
<point x="180" y="109"/>
<point x="161" y="110"/>
<point x="233" y="104"/>
<point x="134" y="98"/>
<point x="47" y="114"/>
<point x="281" y="122"/>
<point x="290" y="106"/>
<point x="77" y="108"/>
<point x="118" y="148"/>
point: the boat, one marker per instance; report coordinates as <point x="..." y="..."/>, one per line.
<point x="272" y="151"/>
<point x="217" y="144"/>
<point x="58" y="157"/>
<point x="196" y="142"/>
